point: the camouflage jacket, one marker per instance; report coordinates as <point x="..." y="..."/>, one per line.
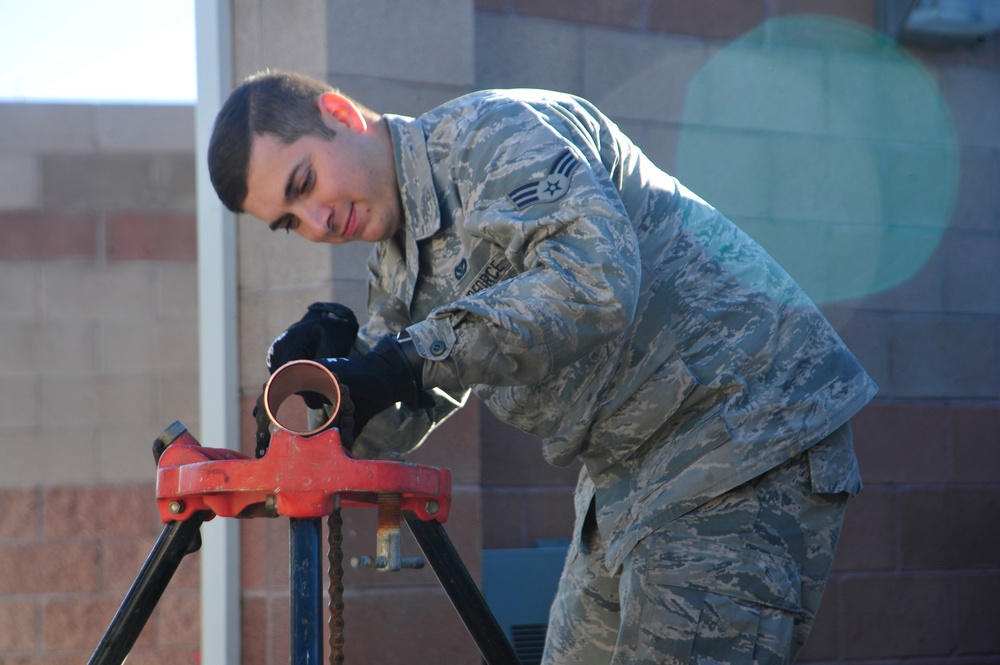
<point x="589" y="298"/>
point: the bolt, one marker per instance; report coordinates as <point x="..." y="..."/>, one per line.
<point x="176" y="507"/>
<point x="432" y="507"/>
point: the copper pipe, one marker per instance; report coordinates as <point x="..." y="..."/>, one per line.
<point x="301" y="376"/>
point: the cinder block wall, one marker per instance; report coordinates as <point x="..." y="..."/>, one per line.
<point x="98" y="351"/>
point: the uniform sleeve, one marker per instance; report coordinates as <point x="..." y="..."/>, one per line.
<point x="397" y="429"/>
<point x="535" y="188"/>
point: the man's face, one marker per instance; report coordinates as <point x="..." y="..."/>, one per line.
<point x="331" y="190"/>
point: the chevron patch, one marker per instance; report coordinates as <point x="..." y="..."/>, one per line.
<point x="550" y="188"/>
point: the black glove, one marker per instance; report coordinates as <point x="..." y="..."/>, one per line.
<point x="391" y="372"/>
<point x="327" y="330"/>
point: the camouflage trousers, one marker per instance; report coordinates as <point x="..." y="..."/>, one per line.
<point x="737" y="580"/>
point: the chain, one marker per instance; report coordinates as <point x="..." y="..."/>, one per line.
<point x="336" y="557"/>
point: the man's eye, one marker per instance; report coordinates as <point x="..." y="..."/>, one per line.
<point x="307" y="182"/>
<point x="286" y="223"/>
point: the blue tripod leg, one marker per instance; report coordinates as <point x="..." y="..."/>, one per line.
<point x="306" y="590"/>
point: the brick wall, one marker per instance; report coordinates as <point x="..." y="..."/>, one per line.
<point x="916" y="574"/>
<point x="98" y="353"/>
<point x="98" y="346"/>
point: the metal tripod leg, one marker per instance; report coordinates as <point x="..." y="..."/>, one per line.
<point x="493" y="644"/>
<point x="306" y="590"/>
<point x="176" y="540"/>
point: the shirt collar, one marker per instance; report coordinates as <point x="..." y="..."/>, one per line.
<point x="416" y="181"/>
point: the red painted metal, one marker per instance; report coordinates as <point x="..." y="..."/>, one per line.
<point x="300" y="476"/>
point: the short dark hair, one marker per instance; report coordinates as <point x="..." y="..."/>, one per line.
<point x="281" y="104"/>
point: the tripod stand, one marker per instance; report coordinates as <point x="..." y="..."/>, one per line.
<point x="303" y="476"/>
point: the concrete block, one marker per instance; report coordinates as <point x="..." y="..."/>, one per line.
<point x="19" y="407"/>
<point x="122" y="560"/>
<point x="972" y="279"/>
<point x="975" y="204"/>
<point x="151" y="236"/>
<point x="807" y="180"/>
<point x="975" y="433"/>
<point x="173" y="622"/>
<point x="173" y="176"/>
<point x="976" y="616"/>
<point x="503" y="518"/>
<point x="715" y="19"/>
<point x="97" y="180"/>
<point x="716" y="164"/>
<point x="411" y="625"/>
<point x="97" y="400"/>
<point x="896" y="616"/>
<point x="512" y="458"/>
<point x="353" y="294"/>
<point x="867" y="335"/>
<point x="400" y="96"/>
<point x="139" y="346"/>
<point x="772" y="87"/>
<point x="432" y="41"/>
<point x="144" y="128"/>
<point x="644" y="77"/>
<point x="549" y="513"/>
<point x="19" y="625"/>
<point x="177" y="399"/>
<point x="623" y="13"/>
<point x="104" y="511"/>
<point x="859" y="11"/>
<point x="177" y="290"/>
<point x="37" y="568"/>
<point x="869" y="539"/>
<point x="298" y="263"/>
<point x="454" y="445"/>
<point x="903" y="443"/>
<point x="949" y="528"/>
<point x="896" y="282"/>
<point x="46" y="235"/>
<point x="945" y="358"/>
<point x="255" y="629"/>
<point x="971" y="92"/>
<point x="660" y="142"/>
<point x="349" y="262"/>
<point x="20" y="181"/>
<point x="295" y="35"/>
<point x="510" y="51"/>
<point x="126" y="453"/>
<point x="47" y="347"/>
<point x="53" y="457"/>
<point x="79" y="622"/>
<point x="22" y="518"/>
<point x="86" y="291"/>
<point x="20" y="283"/>
<point x="47" y="128"/>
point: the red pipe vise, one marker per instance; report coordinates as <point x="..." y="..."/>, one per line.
<point x="302" y="475"/>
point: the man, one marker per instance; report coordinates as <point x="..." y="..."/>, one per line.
<point x="526" y="251"/>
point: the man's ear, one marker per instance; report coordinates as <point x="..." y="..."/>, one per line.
<point x="334" y="106"/>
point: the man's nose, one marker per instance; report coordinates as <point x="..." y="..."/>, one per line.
<point x="314" y="219"/>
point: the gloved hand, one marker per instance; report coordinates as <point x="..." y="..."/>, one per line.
<point x="391" y="372"/>
<point x="327" y="330"/>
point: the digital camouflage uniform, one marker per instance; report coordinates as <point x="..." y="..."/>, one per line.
<point x="589" y="298"/>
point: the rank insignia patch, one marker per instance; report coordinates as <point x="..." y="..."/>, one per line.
<point x="550" y="188"/>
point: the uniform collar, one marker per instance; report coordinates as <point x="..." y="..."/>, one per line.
<point x="421" y="214"/>
<point x="416" y="182"/>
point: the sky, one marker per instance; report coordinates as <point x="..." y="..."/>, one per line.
<point x="100" y="51"/>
